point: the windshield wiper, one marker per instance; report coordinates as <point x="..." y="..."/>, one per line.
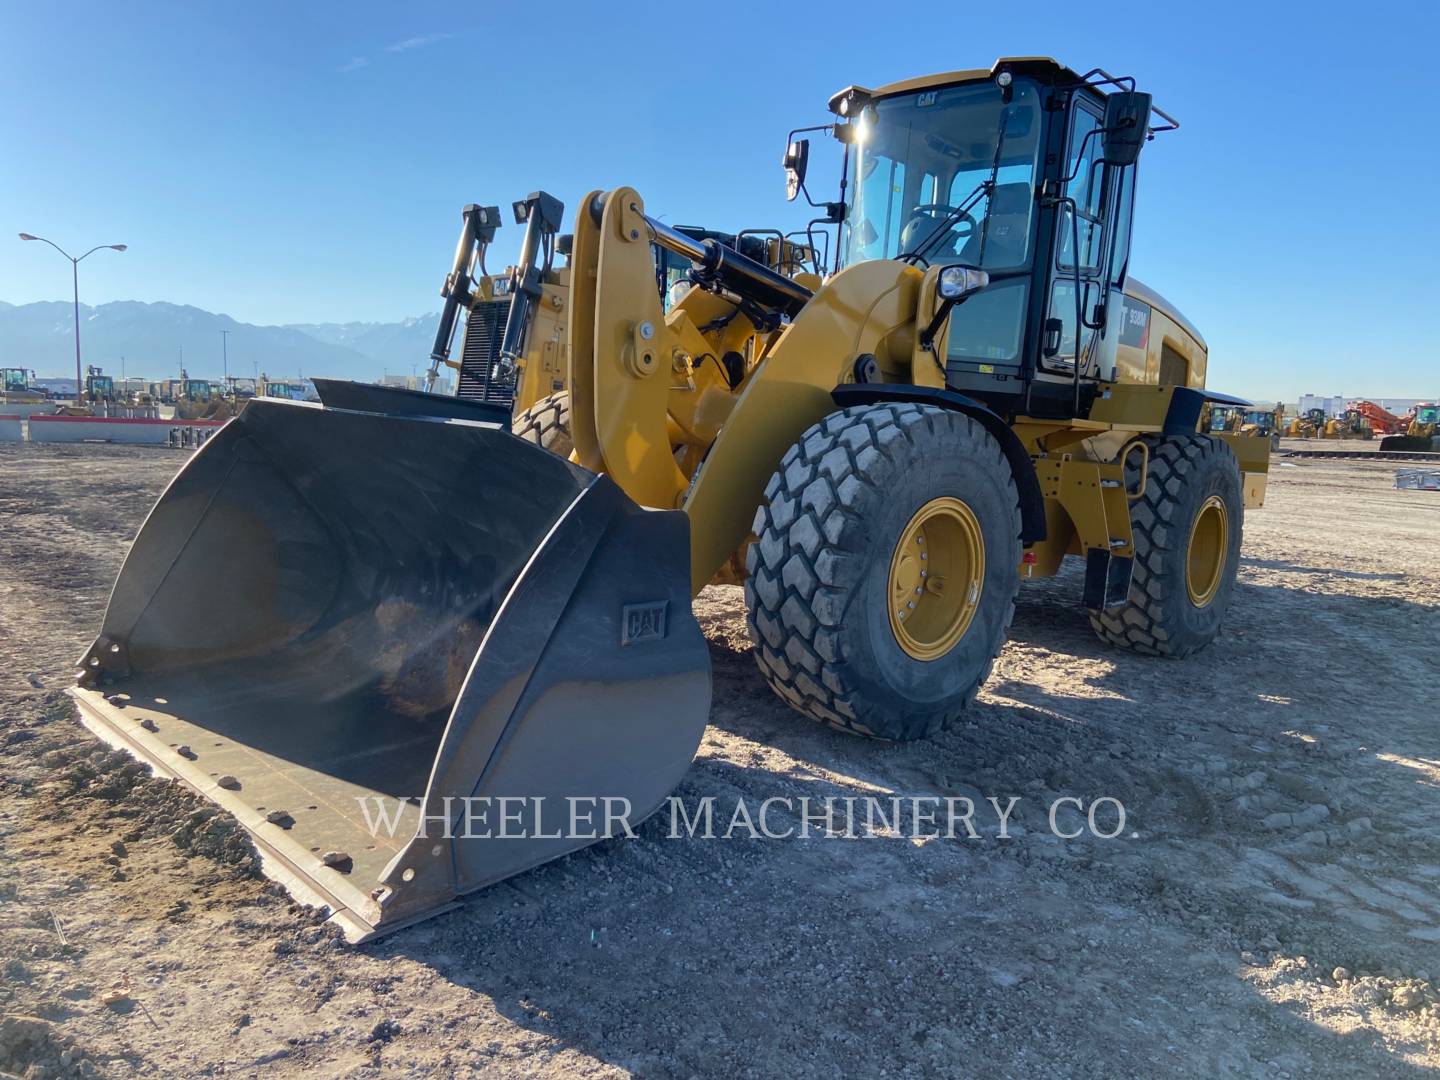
<point x="941" y="226"/>
<point x="985" y="186"/>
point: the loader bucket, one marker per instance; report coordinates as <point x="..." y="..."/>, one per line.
<point x="412" y="656"/>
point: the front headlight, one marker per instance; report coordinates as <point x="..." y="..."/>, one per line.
<point x="957" y="281"/>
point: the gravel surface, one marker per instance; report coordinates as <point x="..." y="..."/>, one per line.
<point x="1271" y="907"/>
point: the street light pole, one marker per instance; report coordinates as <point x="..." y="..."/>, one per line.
<point x="75" y="282"/>
<point x="225" y="355"/>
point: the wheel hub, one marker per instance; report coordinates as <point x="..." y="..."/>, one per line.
<point x="937" y="574"/>
<point x="1205" y="554"/>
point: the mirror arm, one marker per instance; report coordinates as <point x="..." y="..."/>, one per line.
<point x="927" y="336"/>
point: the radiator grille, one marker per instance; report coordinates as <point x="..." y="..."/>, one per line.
<point x="479" y="379"/>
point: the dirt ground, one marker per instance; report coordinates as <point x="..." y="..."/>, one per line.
<point x="1272" y="907"/>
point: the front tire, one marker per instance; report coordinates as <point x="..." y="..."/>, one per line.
<point x="1187" y="530"/>
<point x="861" y="507"/>
<point x="547" y="425"/>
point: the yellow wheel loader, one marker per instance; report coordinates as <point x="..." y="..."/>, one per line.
<point x="1257" y="423"/>
<point x="18" y="387"/>
<point x="1421" y="430"/>
<point x="458" y="655"/>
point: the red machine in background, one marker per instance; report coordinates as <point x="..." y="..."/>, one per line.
<point x="1382" y="421"/>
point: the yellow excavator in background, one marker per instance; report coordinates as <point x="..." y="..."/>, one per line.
<point x="492" y="644"/>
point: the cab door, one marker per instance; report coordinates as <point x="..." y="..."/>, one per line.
<point x="1094" y="221"/>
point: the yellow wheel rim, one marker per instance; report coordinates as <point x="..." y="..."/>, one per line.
<point x="937" y="574"/>
<point x="1205" y="554"/>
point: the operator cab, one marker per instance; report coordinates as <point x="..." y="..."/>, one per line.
<point x="1011" y="171"/>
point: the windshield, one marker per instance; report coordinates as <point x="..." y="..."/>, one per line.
<point x="15" y="379"/>
<point x="670" y="270"/>
<point x="925" y="155"/>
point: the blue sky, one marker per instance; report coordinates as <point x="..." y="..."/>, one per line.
<point x="307" y="162"/>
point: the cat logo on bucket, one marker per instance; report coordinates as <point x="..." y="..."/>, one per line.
<point x="642" y="622"/>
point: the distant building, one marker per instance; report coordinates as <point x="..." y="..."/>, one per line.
<point x="1332" y="406"/>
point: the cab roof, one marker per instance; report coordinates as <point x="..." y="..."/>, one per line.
<point x="1029" y="65"/>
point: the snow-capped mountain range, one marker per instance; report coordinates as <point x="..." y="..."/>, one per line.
<point x="157" y="339"/>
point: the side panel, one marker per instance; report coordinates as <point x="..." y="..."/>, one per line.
<point x="543" y="368"/>
<point x="1154" y="348"/>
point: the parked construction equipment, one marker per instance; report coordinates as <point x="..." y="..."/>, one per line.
<point x="18" y="387"/>
<point x="532" y="297"/>
<point x="98" y="386"/>
<point x="1350" y="424"/>
<point x="1306" y="425"/>
<point x="1258" y="423"/>
<point x="1420" y="430"/>
<point x="1380" y="420"/>
<point x="436" y="610"/>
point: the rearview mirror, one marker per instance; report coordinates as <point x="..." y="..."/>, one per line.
<point x="797" y="162"/>
<point x="1127" y="125"/>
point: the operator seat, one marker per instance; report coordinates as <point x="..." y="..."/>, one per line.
<point x="1007" y="231"/>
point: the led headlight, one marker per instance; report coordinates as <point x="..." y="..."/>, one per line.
<point x="958" y="281"/>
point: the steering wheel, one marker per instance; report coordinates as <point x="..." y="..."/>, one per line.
<point x="924" y="221"/>
<point x="940" y="211"/>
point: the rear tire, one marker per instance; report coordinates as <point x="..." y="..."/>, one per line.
<point x="1189" y="519"/>
<point x="547" y="425"/>
<point x="837" y="538"/>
